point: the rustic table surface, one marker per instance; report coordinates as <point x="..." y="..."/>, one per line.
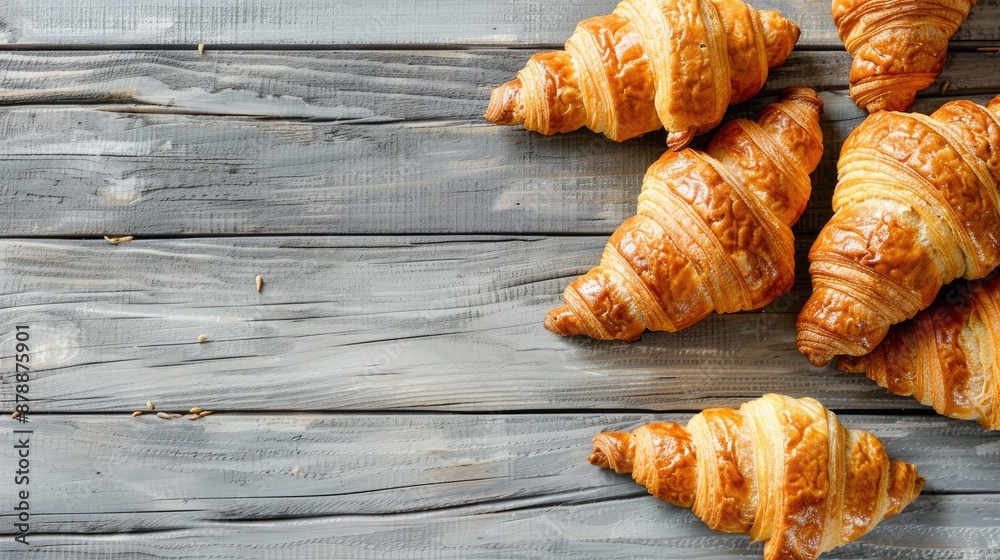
<point x="390" y="393"/>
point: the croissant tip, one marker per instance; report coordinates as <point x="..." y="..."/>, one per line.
<point x="562" y="320"/>
<point x="677" y="141"/>
<point x="506" y="104"/>
<point x="598" y="458"/>
<point x="887" y="93"/>
<point x="780" y="36"/>
<point x="815" y="357"/>
<point x="803" y="94"/>
<point x="612" y="451"/>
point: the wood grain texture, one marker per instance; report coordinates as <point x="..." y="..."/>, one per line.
<point x="355" y="85"/>
<point x="359" y="394"/>
<point x="400" y="485"/>
<point x="402" y="22"/>
<point x="370" y="323"/>
<point x="632" y="528"/>
<point x="132" y="169"/>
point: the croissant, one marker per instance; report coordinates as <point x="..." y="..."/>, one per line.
<point x="948" y="356"/>
<point x="650" y="64"/>
<point x="712" y="230"/>
<point x="916" y="207"/>
<point x="898" y="47"/>
<point x="783" y="470"/>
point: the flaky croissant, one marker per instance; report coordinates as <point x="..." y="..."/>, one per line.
<point x="948" y="356"/>
<point x="783" y="470"/>
<point x="650" y="64"/>
<point x="712" y="230"/>
<point x="916" y="207"/>
<point x="898" y="46"/>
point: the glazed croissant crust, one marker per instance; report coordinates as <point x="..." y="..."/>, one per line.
<point x="712" y="231"/>
<point x="782" y="470"/>
<point x="898" y="47"/>
<point x="916" y="207"/>
<point x="650" y="64"/>
<point x="947" y="357"/>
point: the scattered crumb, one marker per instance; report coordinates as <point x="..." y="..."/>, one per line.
<point x="15" y="414"/>
<point x="117" y="240"/>
<point x="202" y="338"/>
<point x="988" y="49"/>
<point x="944" y="87"/>
<point x="201" y="48"/>
<point x="150" y="405"/>
<point x="260" y="283"/>
<point x="193" y="414"/>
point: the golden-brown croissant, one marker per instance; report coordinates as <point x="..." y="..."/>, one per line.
<point x="898" y="46"/>
<point x="650" y="64"/>
<point x="782" y="470"/>
<point x="948" y="356"/>
<point x="712" y="230"/>
<point x="916" y="207"/>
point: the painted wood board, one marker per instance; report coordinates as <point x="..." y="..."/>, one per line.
<point x="370" y="323"/>
<point x="366" y="85"/>
<point x="485" y="486"/>
<point x="37" y="23"/>
<point x="351" y="85"/>
<point x="118" y="169"/>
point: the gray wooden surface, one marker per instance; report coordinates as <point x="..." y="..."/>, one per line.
<point x="391" y="392"/>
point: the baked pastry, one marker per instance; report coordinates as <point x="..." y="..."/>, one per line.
<point x="650" y="64"/>
<point x="916" y="207"/>
<point x="948" y="356"/>
<point x="712" y="230"/>
<point x="783" y="470"/>
<point x="898" y="47"/>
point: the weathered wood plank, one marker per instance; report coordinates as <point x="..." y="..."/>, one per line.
<point x="351" y="85"/>
<point x="369" y="323"/>
<point x="406" y="22"/>
<point x="113" y="473"/>
<point x="932" y="528"/>
<point x="85" y="172"/>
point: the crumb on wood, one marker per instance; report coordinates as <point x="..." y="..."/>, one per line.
<point x="260" y="283"/>
<point x="944" y="87"/>
<point x="117" y="240"/>
<point x="202" y="338"/>
<point x="150" y="405"/>
<point x="201" y="48"/>
<point x="15" y="414"/>
<point x="988" y="49"/>
<point x="137" y="413"/>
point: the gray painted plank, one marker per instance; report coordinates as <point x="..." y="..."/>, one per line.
<point x="72" y="171"/>
<point x="341" y="476"/>
<point x="932" y="528"/>
<point x="350" y="85"/>
<point x="370" y="323"/>
<point x="408" y="22"/>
